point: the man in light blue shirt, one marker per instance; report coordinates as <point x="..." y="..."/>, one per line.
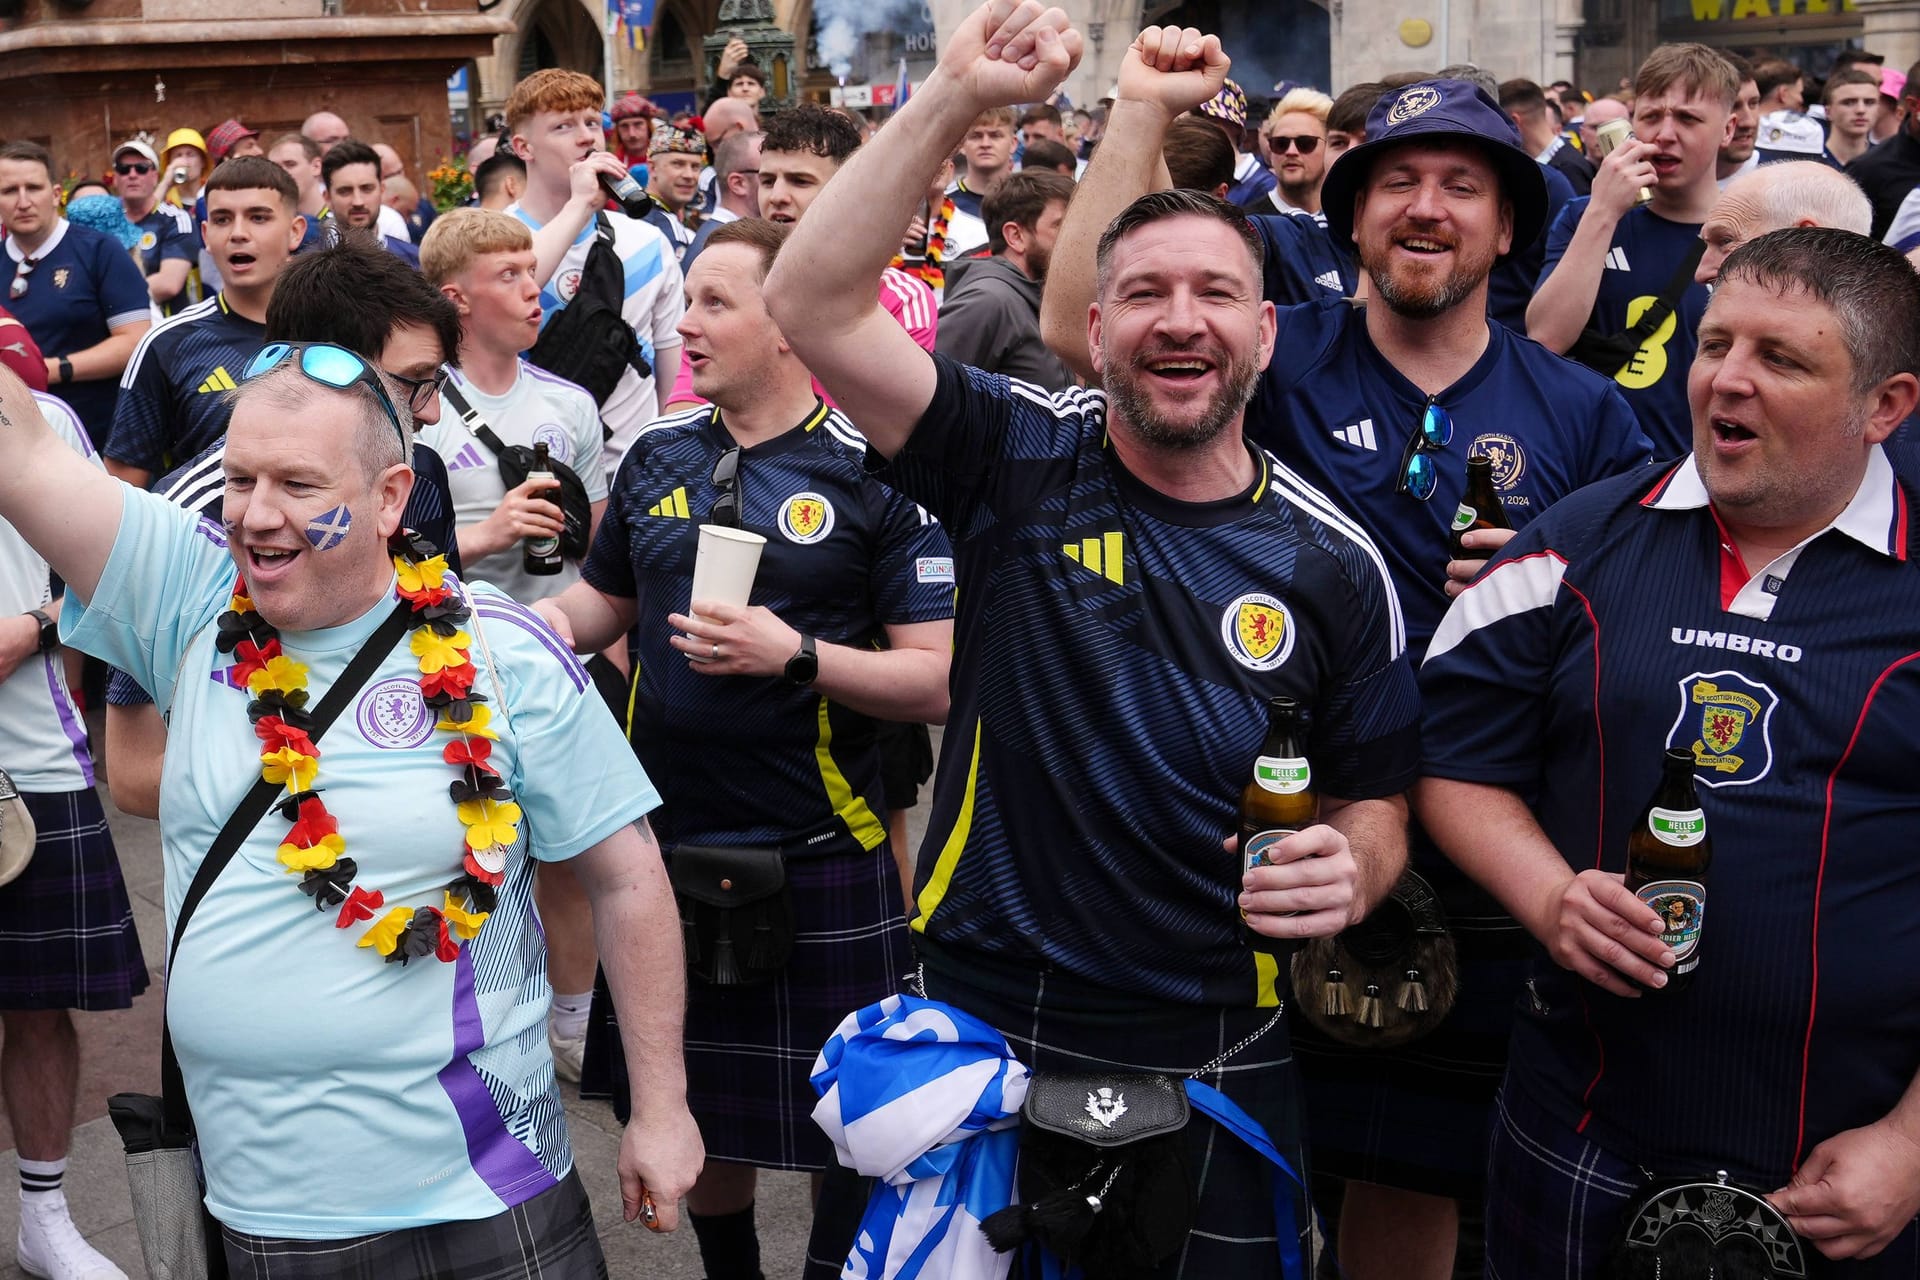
<point x="354" y="1114"/>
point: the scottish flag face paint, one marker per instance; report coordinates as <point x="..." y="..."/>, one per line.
<point x="329" y="529"/>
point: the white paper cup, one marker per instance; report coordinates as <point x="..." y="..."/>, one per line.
<point x="724" y="566"/>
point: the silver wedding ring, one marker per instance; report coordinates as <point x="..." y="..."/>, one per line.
<point x="716" y="653"/>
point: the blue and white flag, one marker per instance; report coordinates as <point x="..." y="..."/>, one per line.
<point x="925" y="1098"/>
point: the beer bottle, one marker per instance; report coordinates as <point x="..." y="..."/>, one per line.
<point x="1480" y="508"/>
<point x="1279" y="799"/>
<point x="1668" y="853"/>
<point x="541" y="555"/>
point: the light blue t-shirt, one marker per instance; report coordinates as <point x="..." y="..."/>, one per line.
<point x="337" y="1095"/>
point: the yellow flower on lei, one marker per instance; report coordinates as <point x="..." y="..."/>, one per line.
<point x="281" y="673"/>
<point x="476" y="723"/>
<point x="385" y="936"/>
<point x="423" y="576"/>
<point x="490" y="822"/>
<point x="463" y="922"/>
<point x="318" y="858"/>
<point x="289" y="766"/>
<point x="436" y="651"/>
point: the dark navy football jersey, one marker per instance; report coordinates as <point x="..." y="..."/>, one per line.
<point x="1302" y="262"/>
<point x="1511" y="283"/>
<point x="1617" y="626"/>
<point x="1335" y="411"/>
<point x="1646" y="251"/>
<point x="745" y="760"/>
<point x="173" y="402"/>
<point x="1113" y="656"/>
<point x="83" y="285"/>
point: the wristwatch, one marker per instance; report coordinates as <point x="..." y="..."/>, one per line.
<point x="49" y="630"/>
<point x="803" y="666"/>
<point x="66" y="371"/>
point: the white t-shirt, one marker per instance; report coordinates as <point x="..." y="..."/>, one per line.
<point x="653" y="307"/>
<point x="43" y="743"/>
<point x="538" y="408"/>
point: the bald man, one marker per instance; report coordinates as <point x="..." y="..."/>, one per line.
<point x="326" y="128"/>
<point x="725" y="118"/>
<point x="1598" y="113"/>
<point x="1792" y="193"/>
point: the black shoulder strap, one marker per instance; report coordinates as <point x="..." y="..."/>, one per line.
<point x="471" y="417"/>
<point x="1669" y="300"/>
<point x="246" y="816"/>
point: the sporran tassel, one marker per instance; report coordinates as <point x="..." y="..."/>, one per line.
<point x="1413" y="994"/>
<point x="1372" y="1011"/>
<point x="1336" y="1000"/>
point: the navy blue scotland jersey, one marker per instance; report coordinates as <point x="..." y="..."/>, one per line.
<point x="1643" y="257"/>
<point x="742" y="760"/>
<point x="1335" y="411"/>
<point x="173" y="401"/>
<point x="1114" y="652"/>
<point x="1302" y="262"/>
<point x="1618" y="625"/>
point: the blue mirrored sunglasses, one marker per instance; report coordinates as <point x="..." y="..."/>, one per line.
<point x="330" y="366"/>
<point x="1418" y="474"/>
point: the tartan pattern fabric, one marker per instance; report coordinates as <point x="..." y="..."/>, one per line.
<point x="549" y="1237"/>
<point x="1055" y="1025"/>
<point x="67" y="939"/>
<point x="749" y="1050"/>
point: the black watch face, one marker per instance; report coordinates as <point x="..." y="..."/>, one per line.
<point x="802" y="668"/>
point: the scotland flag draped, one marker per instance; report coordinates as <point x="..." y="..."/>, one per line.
<point x="925" y="1098"/>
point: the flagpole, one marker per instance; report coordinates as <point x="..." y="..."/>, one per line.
<point x="607" y="29"/>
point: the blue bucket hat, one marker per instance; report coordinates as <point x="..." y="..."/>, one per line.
<point x="1439" y="111"/>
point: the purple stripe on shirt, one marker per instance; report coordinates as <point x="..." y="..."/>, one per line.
<point x="69" y="724"/>
<point x="494" y="608"/>
<point x="501" y="1160"/>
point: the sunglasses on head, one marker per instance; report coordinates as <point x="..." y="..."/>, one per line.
<point x="330" y="366"/>
<point x="1418" y="474"/>
<point x="726" y="478"/>
<point x="136" y="166"/>
<point x="1280" y="143"/>
<point x="21" y="270"/>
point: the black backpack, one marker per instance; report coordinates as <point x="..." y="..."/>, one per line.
<point x="588" y="342"/>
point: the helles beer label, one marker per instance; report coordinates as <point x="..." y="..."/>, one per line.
<point x="1260" y="848"/>
<point x="1281" y="775"/>
<point x="1682" y="908"/>
<point x="1463" y="518"/>
<point x="1681" y="828"/>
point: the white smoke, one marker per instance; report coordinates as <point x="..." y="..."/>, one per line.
<point x="843" y="24"/>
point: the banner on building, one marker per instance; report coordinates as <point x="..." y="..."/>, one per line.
<point x="635" y="18"/>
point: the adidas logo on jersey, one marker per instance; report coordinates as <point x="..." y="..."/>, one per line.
<point x="673" y="506"/>
<point x="1359" y="435"/>
<point x="218" y="380"/>
<point x="1617" y="259"/>
<point x="467" y="459"/>
<point x="1330" y="280"/>
<point x="1105" y="555"/>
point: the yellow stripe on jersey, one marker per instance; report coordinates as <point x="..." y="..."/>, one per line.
<point x="851" y="809"/>
<point x="942" y="877"/>
<point x="1265" y="475"/>
<point x="1266" y="981"/>
<point x="820" y="412"/>
<point x="1105" y="554"/>
<point x="673" y="506"/>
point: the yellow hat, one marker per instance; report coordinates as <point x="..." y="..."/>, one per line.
<point x="185" y="138"/>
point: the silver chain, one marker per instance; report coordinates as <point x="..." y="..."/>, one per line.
<point x="1230" y="1054"/>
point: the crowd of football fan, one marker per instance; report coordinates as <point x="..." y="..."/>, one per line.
<point x="1083" y="431"/>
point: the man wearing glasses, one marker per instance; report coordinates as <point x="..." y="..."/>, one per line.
<point x="282" y="1014"/>
<point x="1379" y="407"/>
<point x="168" y="245"/>
<point x="78" y="292"/>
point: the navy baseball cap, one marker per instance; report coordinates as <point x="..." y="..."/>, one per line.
<point x="1439" y="110"/>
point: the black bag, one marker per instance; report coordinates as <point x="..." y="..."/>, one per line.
<point x="588" y="341"/>
<point x="1386" y="981"/>
<point x="1682" y="1230"/>
<point x="1103" y="1172"/>
<point x="1609" y="353"/>
<point x="516" y="463"/>
<point x="736" y="912"/>
<point x="178" y="1237"/>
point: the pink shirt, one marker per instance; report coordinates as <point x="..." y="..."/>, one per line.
<point x="907" y="299"/>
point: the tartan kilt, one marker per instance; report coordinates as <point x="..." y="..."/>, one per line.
<point x="750" y="1049"/>
<point x="67" y="939"/>
<point x="549" y="1237"/>
<point x="1055" y="1024"/>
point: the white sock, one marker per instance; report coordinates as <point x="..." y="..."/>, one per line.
<point x="570" y="1014"/>
<point x="40" y="1180"/>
